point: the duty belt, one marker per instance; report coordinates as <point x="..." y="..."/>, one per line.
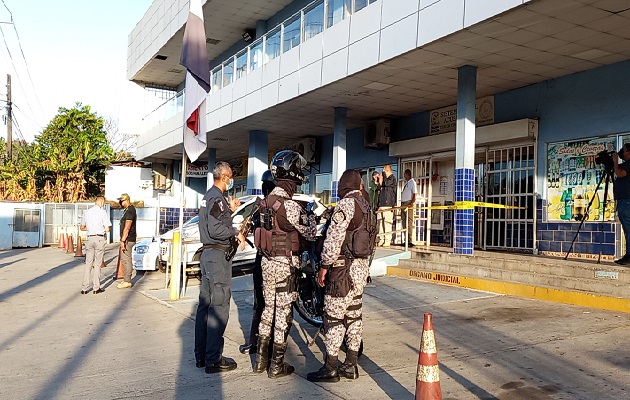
<point x="101" y="235"/>
<point x="222" y="247"/>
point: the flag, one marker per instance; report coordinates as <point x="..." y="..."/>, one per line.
<point x="195" y="58"/>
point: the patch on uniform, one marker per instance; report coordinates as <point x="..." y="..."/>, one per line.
<point x="203" y="203"/>
<point x="338" y="217"/>
<point x="221" y="206"/>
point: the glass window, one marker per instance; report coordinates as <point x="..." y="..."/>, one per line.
<point x="323" y="184"/>
<point x="360" y="4"/>
<point x="313" y="20"/>
<point x="337" y="11"/>
<point x="216" y="79"/>
<point x="255" y="56"/>
<point x="228" y="72"/>
<point x="241" y="64"/>
<point x="291" y="34"/>
<point x="272" y="47"/>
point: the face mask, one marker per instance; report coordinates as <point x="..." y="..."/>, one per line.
<point x="230" y="184"/>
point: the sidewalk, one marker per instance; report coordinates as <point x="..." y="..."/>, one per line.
<point x="58" y="344"/>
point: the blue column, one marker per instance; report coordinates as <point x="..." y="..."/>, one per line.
<point x="339" y="150"/>
<point x="257" y="162"/>
<point x="465" y="158"/>
<point x="261" y="28"/>
<point x="212" y="159"/>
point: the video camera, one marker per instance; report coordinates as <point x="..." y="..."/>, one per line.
<point x="605" y="158"/>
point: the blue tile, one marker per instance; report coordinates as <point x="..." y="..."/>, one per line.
<point x="547" y="235"/>
<point x="553" y="226"/>
<point x="579" y="248"/>
<point x="555" y="246"/>
<point x="558" y="236"/>
<point x="609" y="237"/>
<point x="593" y="248"/>
<point x="543" y="245"/>
<point x="608" y="249"/>
<point x="585" y="237"/>
<point x="597" y="237"/>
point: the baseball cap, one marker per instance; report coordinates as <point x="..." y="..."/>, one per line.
<point x="124" y="197"/>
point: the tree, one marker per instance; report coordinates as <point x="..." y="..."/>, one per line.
<point x="123" y="144"/>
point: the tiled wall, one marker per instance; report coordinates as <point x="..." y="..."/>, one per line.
<point x="554" y="238"/>
<point x="464" y="191"/>
<point x="169" y="217"/>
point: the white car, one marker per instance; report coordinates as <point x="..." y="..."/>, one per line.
<point x="153" y="253"/>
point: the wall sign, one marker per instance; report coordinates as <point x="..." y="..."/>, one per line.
<point x="445" y="119"/>
<point x="572" y="178"/>
<point x="192" y="171"/>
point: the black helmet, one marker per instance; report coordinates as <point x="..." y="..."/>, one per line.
<point x="267" y="176"/>
<point x="288" y="164"/>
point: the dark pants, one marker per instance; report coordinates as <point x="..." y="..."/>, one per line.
<point x="623" y="212"/>
<point x="214" y="305"/>
<point x="259" y="299"/>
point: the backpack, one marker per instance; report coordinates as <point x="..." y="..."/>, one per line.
<point x="361" y="234"/>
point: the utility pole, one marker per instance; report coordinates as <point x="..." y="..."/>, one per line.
<point x="9" y="119"/>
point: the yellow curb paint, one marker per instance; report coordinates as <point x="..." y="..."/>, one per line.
<point x="515" y="289"/>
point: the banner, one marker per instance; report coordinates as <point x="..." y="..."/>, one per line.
<point x="572" y="178"/>
<point x="444" y="120"/>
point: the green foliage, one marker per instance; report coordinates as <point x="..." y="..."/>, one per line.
<point x="66" y="162"/>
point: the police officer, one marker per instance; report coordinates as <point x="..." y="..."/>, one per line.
<point x="268" y="184"/>
<point x="215" y="231"/>
<point x="290" y="221"/>
<point x="342" y="308"/>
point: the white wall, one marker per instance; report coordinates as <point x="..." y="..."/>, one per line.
<point x="136" y="181"/>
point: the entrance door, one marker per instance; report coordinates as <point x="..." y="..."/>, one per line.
<point x="25" y="228"/>
<point x="421" y="174"/>
<point x="510" y="180"/>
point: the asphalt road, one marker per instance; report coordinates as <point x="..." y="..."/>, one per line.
<point x="58" y="344"/>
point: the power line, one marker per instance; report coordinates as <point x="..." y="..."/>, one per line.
<point x="25" y="62"/>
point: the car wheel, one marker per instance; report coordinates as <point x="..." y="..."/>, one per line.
<point x="159" y="265"/>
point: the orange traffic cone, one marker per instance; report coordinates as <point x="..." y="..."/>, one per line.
<point x="428" y="377"/>
<point x="60" y="245"/>
<point x="70" y="246"/>
<point x="64" y="241"/>
<point x="79" y="252"/>
<point x="103" y="265"/>
<point x="120" y="270"/>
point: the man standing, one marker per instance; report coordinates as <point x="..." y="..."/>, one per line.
<point x="621" y="190"/>
<point x="216" y="232"/>
<point x="373" y="190"/>
<point x="127" y="238"/>
<point x="289" y="223"/>
<point x="345" y="264"/>
<point x="96" y="222"/>
<point x="250" y="347"/>
<point x="386" y="200"/>
<point x="407" y="200"/>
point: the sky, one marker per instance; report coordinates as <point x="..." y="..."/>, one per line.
<point x="67" y="51"/>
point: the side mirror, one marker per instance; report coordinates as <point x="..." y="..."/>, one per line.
<point x="238" y="219"/>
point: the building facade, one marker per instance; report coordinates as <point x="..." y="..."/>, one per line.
<point x="499" y="109"/>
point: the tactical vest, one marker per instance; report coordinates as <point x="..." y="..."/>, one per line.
<point x="276" y="236"/>
<point x="361" y="234"/>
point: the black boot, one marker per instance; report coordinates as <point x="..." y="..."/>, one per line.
<point x="349" y="367"/>
<point x="262" y="355"/>
<point x="327" y="373"/>
<point x="278" y="367"/>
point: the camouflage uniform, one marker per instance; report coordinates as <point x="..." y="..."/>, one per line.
<point x="276" y="272"/>
<point x="343" y="315"/>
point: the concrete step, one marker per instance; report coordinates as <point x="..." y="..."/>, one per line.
<point x="581" y="282"/>
<point x="605" y="271"/>
<point x="584" y="283"/>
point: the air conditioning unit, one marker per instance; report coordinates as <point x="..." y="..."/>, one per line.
<point x="377" y="133"/>
<point x="307" y="148"/>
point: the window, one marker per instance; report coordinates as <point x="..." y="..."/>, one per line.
<point x="228" y="72"/>
<point x="255" y="56"/>
<point x="337" y="11"/>
<point x="291" y="34"/>
<point x="323" y="184"/>
<point x="241" y="64"/>
<point x="361" y="4"/>
<point x="272" y="48"/>
<point x="313" y="20"/>
<point x="216" y="79"/>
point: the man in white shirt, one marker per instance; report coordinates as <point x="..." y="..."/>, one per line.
<point x="408" y="198"/>
<point x="96" y="222"/>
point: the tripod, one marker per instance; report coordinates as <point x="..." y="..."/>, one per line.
<point x="607" y="177"/>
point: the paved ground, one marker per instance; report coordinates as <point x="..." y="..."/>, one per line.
<point x="58" y="344"/>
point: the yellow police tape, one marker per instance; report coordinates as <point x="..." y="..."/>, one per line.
<point x="467" y="205"/>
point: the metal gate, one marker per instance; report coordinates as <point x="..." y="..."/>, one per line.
<point x="26" y="232"/>
<point x="510" y="180"/>
<point x="420" y="172"/>
<point x="63" y="218"/>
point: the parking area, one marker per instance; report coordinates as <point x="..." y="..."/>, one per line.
<point x="57" y="343"/>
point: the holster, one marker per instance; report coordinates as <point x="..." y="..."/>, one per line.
<point x="231" y="251"/>
<point x="339" y="282"/>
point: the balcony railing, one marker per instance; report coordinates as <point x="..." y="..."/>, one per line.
<point x="298" y="28"/>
